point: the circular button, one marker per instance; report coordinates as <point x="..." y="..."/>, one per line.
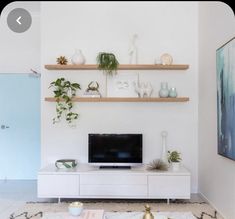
<point x="19" y="20"/>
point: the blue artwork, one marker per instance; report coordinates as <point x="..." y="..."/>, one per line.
<point x="225" y="67"/>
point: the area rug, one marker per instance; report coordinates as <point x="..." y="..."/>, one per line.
<point x="201" y="210"/>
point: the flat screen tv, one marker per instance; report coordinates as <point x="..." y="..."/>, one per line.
<point x="115" y="150"/>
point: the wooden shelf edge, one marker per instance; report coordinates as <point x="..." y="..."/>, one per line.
<point x="121" y="67"/>
<point x="123" y="99"/>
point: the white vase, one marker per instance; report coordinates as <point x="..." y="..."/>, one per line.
<point x="78" y="58"/>
<point x="175" y="166"/>
<point x="164" y="146"/>
<point x="164" y="92"/>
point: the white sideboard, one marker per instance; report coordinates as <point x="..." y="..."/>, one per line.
<point x="87" y="181"/>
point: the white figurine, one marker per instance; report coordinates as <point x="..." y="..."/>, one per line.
<point x="133" y="50"/>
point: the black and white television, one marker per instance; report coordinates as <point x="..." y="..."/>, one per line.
<point x="115" y="150"/>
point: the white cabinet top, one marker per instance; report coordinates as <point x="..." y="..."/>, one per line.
<point x="89" y="169"/>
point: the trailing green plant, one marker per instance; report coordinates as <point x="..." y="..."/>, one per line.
<point x="173" y="156"/>
<point x="64" y="91"/>
<point x="107" y="62"/>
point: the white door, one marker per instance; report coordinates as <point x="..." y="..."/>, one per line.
<point x="19" y="126"/>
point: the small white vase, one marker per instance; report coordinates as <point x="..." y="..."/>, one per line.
<point x="78" y="58"/>
<point x="175" y="166"/>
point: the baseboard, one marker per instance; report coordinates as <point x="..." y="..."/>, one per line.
<point x="212" y="204"/>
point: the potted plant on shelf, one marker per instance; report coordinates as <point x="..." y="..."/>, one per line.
<point x="64" y="91"/>
<point x="107" y="62"/>
<point x="174" y="159"/>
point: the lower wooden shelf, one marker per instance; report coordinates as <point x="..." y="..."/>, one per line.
<point x="123" y="99"/>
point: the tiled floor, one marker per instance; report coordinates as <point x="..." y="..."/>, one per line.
<point x="15" y="193"/>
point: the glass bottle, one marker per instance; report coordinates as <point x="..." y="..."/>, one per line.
<point x="172" y="92"/>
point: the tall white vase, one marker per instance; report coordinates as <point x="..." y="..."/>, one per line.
<point x="164" y="146"/>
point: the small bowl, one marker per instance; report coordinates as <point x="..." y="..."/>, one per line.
<point x="75" y="208"/>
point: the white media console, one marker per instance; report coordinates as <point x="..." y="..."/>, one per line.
<point x="86" y="181"/>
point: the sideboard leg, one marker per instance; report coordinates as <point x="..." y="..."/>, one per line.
<point x="168" y="201"/>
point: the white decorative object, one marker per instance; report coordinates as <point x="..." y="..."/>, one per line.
<point x="133" y="53"/>
<point x="164" y="146"/>
<point x="122" y="85"/>
<point x="166" y="59"/>
<point x="78" y="58"/>
<point x="143" y="89"/>
<point x="148" y="89"/>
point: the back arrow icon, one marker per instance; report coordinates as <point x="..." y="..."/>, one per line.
<point x="18" y="20"/>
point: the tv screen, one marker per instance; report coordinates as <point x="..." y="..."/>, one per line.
<point x="115" y="149"/>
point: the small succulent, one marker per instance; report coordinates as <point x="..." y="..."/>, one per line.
<point x="61" y="60"/>
<point x="157" y="164"/>
<point x="174" y="156"/>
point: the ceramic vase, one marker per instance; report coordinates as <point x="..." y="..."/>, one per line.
<point x="175" y="166"/>
<point x="78" y="58"/>
<point x="164" y="147"/>
<point x="164" y="91"/>
<point x="172" y="92"/>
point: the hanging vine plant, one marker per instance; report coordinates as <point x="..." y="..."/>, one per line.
<point x="107" y="62"/>
<point x="64" y="91"/>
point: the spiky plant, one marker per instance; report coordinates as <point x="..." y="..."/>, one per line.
<point x="61" y="60"/>
<point x="157" y="164"/>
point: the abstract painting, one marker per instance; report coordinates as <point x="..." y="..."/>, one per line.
<point x="225" y="68"/>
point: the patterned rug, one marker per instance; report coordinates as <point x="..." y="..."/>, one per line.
<point x="201" y="210"/>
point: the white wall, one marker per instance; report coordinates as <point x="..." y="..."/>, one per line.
<point x="216" y="173"/>
<point x="93" y="27"/>
<point x="19" y="52"/>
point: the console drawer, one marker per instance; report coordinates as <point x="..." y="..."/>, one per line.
<point x="58" y="185"/>
<point x="113" y="190"/>
<point x="169" y="186"/>
<point x="112" y="179"/>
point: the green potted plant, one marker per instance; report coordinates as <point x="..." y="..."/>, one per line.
<point x="174" y="158"/>
<point x="107" y="62"/>
<point x="64" y="91"/>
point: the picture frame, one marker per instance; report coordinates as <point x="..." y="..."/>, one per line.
<point x="122" y="85"/>
<point x="225" y="72"/>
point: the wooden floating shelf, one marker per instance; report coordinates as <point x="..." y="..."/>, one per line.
<point x="121" y="67"/>
<point x="123" y="99"/>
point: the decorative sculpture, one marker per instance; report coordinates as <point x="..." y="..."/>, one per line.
<point x="133" y="50"/>
<point x="148" y="214"/>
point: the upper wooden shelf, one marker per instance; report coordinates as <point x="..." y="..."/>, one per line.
<point x="123" y="99"/>
<point x="120" y="67"/>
